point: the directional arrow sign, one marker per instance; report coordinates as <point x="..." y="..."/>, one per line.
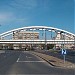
<point x="64" y="52"/>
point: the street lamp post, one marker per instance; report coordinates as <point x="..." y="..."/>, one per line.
<point x="62" y="38"/>
<point x="74" y="42"/>
<point x="45" y="39"/>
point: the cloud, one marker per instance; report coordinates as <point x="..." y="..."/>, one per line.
<point x="9" y="18"/>
<point x="6" y="17"/>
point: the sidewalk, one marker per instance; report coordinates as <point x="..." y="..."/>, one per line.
<point x="56" y="62"/>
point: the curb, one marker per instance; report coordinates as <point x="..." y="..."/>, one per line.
<point x="45" y="60"/>
<point x="52" y="64"/>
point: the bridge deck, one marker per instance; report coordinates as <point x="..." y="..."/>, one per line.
<point x="39" y="41"/>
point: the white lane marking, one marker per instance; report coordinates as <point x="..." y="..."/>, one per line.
<point x="18" y="60"/>
<point x="31" y="61"/>
<point x="28" y="57"/>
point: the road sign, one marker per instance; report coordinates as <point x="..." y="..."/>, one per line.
<point x="64" y="52"/>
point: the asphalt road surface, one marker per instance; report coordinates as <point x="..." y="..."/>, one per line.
<point x="24" y="63"/>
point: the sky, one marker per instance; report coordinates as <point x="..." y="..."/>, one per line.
<point x="21" y="13"/>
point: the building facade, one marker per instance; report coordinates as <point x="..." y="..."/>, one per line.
<point x="62" y="36"/>
<point x="24" y="35"/>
